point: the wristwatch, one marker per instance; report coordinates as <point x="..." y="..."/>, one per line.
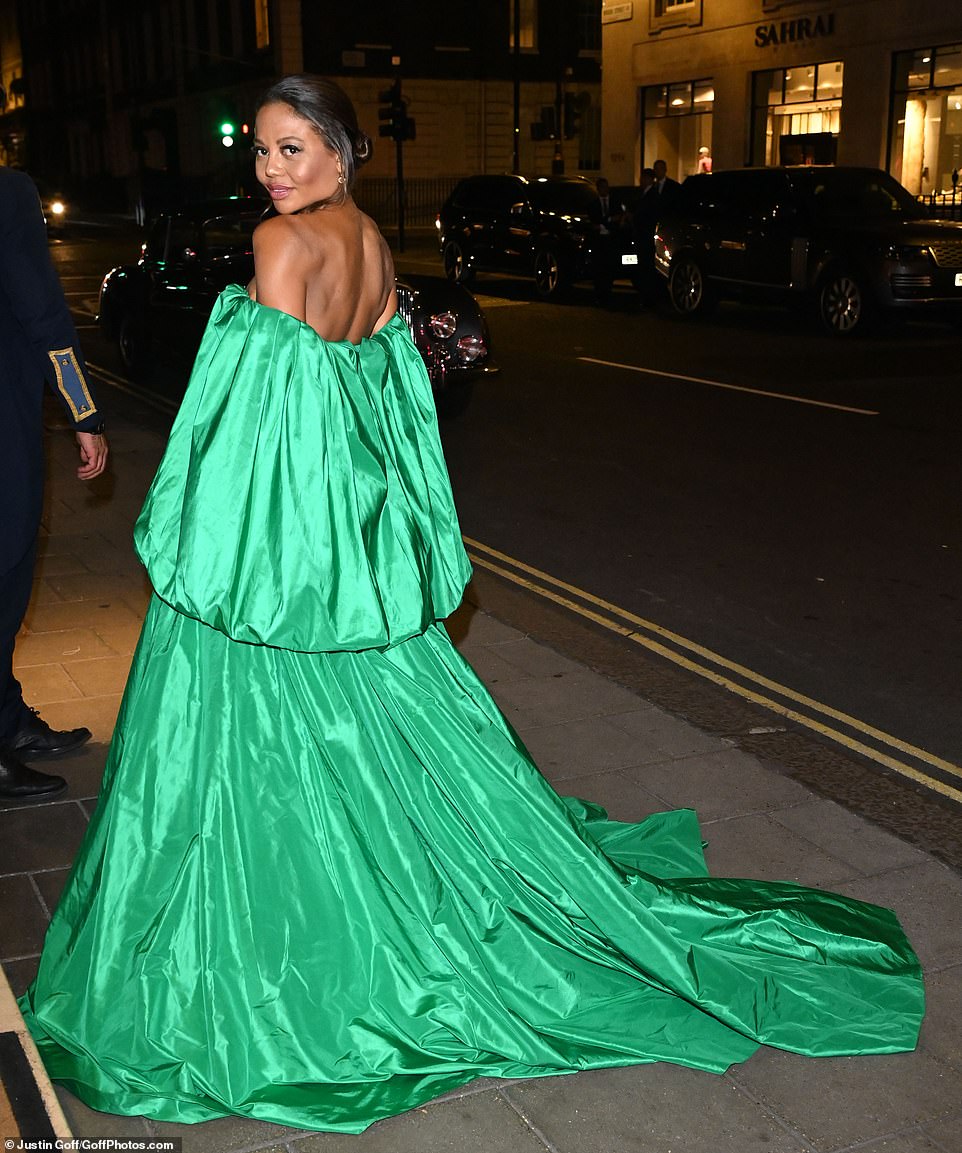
<point x="98" y="431"/>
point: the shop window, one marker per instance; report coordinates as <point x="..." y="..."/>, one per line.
<point x="796" y="114"/>
<point x="926" y="136"/>
<point x="677" y="123"/>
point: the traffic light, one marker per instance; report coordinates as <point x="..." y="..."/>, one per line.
<point x="394" y="114"/>
<point x="228" y="125"/>
<point x="574" y="108"/>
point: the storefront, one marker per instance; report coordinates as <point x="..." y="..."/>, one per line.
<point x="763" y="82"/>
<point x="926" y="148"/>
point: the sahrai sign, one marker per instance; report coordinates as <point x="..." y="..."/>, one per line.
<point x="793" y="31"/>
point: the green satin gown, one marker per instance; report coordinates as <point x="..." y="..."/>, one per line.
<point x="325" y="882"/>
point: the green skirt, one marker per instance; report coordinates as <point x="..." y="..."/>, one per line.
<point x="322" y="888"/>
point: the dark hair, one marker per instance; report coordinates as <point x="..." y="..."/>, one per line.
<point x="329" y="109"/>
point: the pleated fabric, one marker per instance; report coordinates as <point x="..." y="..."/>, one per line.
<point x="325" y="882"/>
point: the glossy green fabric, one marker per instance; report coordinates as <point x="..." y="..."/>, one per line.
<point x="303" y="499"/>
<point x="324" y="886"/>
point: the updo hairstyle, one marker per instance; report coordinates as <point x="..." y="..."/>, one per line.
<point x="329" y="109"/>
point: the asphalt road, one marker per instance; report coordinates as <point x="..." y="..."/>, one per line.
<point x="769" y="497"/>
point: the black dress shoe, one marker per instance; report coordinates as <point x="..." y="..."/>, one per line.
<point x="35" y="738"/>
<point x="18" y="782"/>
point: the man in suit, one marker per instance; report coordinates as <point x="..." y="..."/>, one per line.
<point x="664" y="188"/>
<point x="658" y="194"/>
<point x="38" y="345"/>
<point x="605" y="249"/>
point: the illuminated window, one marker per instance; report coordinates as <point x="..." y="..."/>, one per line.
<point x="797" y="114"/>
<point x="525" y="12"/>
<point x="926" y="134"/>
<point x="262" y="21"/>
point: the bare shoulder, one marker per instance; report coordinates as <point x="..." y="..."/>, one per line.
<point x="377" y="246"/>
<point x="279" y="237"/>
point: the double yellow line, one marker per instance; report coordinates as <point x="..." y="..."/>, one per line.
<point x="939" y="775"/>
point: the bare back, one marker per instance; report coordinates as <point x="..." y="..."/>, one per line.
<point x="330" y="268"/>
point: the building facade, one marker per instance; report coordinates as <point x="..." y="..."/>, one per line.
<point x="121" y="104"/>
<point x="764" y="82"/>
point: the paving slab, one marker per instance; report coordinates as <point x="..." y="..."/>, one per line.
<point x="758" y="846"/>
<point x="839" y="1102"/>
<point x="942" y="1028"/>
<point x="623" y="798"/>
<point x="719" y="784"/>
<point x="946" y="1133"/>
<point x="652" y="1109"/>
<point x="578" y="748"/>
<point x="928" y="901"/>
<point x="476" y="1123"/>
<point x="848" y="837"/>
<point x="538" y="701"/>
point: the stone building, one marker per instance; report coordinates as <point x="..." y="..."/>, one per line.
<point x="872" y="82"/>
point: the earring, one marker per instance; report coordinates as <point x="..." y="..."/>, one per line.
<point x="340" y="178"/>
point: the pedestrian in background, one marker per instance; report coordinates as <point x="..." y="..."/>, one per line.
<point x="606" y="247"/>
<point x="704" y="159"/>
<point x="38" y="345"/>
<point x="644" y="217"/>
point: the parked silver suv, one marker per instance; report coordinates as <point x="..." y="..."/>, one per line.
<point x="851" y="241"/>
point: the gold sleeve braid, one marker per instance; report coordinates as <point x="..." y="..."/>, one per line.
<point x="72" y="383"/>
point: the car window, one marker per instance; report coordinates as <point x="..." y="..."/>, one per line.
<point x="184" y="235"/>
<point x="857" y="195"/>
<point x="157" y="239"/>
<point x="229" y="234"/>
<point x="565" y="198"/>
<point x="487" y="193"/>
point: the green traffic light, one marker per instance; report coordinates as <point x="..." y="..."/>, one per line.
<point x="227" y="129"/>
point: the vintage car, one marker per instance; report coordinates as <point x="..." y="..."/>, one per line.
<point x="850" y="242"/>
<point x="160" y="305"/>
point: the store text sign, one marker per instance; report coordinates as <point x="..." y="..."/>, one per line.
<point x="794" y="31"/>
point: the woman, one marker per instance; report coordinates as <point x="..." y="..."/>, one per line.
<point x="324" y="881"/>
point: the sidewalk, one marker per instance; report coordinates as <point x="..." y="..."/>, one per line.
<point x="592" y="738"/>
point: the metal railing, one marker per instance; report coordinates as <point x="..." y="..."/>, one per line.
<point x="423" y="197"/>
<point x="943" y="205"/>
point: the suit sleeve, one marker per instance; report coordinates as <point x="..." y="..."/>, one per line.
<point x="36" y="299"/>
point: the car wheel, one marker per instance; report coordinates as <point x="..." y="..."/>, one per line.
<point x="133" y="344"/>
<point x="844" y="307"/>
<point x="457" y="264"/>
<point x="688" y="289"/>
<point x="550" y="276"/>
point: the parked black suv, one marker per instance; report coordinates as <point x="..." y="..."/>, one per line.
<point x="545" y="227"/>
<point x="852" y="241"/>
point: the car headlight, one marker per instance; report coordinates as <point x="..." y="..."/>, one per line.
<point x="905" y="253"/>
<point x="57" y="208"/>
<point x="470" y="348"/>
<point x="443" y="324"/>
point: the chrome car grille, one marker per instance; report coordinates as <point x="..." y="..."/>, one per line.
<point x="405" y="305"/>
<point x="947" y="253"/>
<point x="901" y="280"/>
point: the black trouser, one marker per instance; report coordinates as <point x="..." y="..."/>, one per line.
<point x="15" y="587"/>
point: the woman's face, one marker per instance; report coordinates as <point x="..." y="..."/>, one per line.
<point x="292" y="160"/>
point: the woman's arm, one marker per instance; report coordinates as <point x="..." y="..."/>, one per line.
<point x="280" y="264"/>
